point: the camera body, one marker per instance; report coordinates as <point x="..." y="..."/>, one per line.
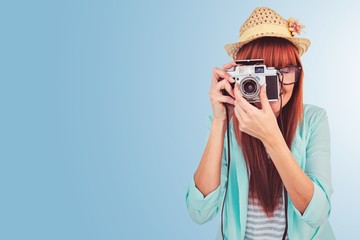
<point x="250" y="75"/>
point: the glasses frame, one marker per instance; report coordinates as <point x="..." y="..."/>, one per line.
<point x="297" y="74"/>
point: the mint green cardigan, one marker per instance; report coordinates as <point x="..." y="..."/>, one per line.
<point x="311" y="149"/>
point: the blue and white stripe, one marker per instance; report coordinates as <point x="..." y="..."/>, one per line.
<point x="260" y="227"/>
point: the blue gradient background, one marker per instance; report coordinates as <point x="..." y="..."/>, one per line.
<point x="103" y="109"/>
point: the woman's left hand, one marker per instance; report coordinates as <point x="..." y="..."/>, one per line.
<point x="259" y="123"/>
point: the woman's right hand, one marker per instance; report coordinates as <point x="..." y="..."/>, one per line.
<point x="220" y="80"/>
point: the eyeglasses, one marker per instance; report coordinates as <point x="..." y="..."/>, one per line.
<point x="289" y="74"/>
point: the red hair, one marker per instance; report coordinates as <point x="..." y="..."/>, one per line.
<point x="265" y="183"/>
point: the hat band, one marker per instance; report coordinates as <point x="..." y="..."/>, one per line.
<point x="265" y="29"/>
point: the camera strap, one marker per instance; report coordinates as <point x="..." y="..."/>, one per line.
<point x="228" y="168"/>
<point x="286" y="217"/>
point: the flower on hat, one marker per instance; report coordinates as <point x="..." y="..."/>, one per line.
<point x="295" y="26"/>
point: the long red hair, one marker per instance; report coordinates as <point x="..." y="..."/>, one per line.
<point x="265" y="183"/>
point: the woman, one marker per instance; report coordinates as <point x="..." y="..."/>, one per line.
<point x="279" y="180"/>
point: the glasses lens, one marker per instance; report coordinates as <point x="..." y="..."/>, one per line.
<point x="289" y="74"/>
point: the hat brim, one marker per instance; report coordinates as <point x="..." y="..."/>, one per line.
<point x="302" y="44"/>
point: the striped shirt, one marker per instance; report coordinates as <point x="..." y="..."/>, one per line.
<point x="260" y="227"/>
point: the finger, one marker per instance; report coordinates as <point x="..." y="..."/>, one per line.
<point x="238" y="116"/>
<point x="225" y="85"/>
<point x="219" y="74"/>
<point x="237" y="92"/>
<point x="225" y="99"/>
<point x="242" y="101"/>
<point x="245" y="118"/>
<point x="240" y="109"/>
<point x="263" y="98"/>
<point x="229" y="89"/>
<point x="228" y="65"/>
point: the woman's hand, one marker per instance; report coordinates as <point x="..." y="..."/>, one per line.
<point x="259" y="123"/>
<point x="221" y="80"/>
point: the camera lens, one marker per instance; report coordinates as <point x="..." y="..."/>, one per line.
<point x="249" y="87"/>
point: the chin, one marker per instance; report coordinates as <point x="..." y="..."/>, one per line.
<point x="275" y="105"/>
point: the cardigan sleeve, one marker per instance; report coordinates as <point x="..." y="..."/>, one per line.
<point x="318" y="169"/>
<point x="202" y="209"/>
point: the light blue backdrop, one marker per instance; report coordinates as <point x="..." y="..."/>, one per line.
<point x="103" y="108"/>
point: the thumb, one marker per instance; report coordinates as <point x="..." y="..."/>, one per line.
<point x="263" y="98"/>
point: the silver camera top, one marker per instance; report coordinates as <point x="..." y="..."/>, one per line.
<point x="251" y="74"/>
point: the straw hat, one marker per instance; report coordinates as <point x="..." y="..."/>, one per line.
<point x="265" y="22"/>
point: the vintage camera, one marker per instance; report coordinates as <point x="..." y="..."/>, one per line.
<point x="250" y="75"/>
